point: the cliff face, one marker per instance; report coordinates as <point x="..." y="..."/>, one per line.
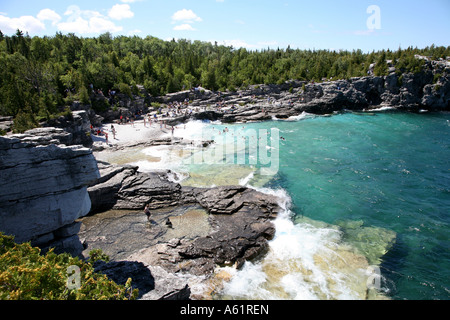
<point x="44" y="187"/>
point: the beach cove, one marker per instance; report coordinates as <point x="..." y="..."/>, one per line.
<point x="333" y="190"/>
<point x="323" y="248"/>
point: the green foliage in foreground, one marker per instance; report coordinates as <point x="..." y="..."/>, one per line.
<point x="25" y="274"/>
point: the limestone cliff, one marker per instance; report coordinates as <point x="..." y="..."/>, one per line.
<point x="44" y="185"/>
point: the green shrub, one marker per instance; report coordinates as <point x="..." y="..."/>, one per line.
<point x="24" y="121"/>
<point x="25" y="274"/>
<point x="84" y="96"/>
<point x="100" y="104"/>
<point x="436" y="78"/>
<point x="125" y="89"/>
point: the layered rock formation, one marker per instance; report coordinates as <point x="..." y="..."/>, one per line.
<point x="44" y="187"/>
<point x="77" y="123"/>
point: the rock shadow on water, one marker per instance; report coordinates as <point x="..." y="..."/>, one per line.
<point x="393" y="264"/>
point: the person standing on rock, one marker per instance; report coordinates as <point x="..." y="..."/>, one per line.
<point x="147" y="212"/>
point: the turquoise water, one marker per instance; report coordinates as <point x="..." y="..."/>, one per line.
<point x="361" y="191"/>
<point x="380" y="171"/>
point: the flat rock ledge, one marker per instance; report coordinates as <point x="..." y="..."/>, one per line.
<point x="222" y="226"/>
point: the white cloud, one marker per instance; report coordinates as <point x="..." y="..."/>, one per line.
<point x="184" y="27"/>
<point x="24" y="23"/>
<point x="120" y="11"/>
<point x="101" y="25"/>
<point x="93" y="25"/>
<point x="185" y="15"/>
<point x="267" y="43"/>
<point x="86" y="21"/>
<point x="74" y="12"/>
<point x="48" y="14"/>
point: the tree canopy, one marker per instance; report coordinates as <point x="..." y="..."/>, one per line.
<point x="41" y="75"/>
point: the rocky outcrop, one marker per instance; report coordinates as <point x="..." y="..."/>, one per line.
<point x="6" y="123"/>
<point x="235" y="227"/>
<point x="77" y="123"/>
<point x="45" y="186"/>
<point x="124" y="187"/>
<point x="241" y="221"/>
<point x="407" y="92"/>
<point x="426" y="90"/>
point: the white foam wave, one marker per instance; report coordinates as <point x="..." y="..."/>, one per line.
<point x="385" y="108"/>
<point x="305" y="262"/>
<point x="302" y="116"/>
<point x="177" y="177"/>
<point x="247" y="179"/>
<point x="283" y="197"/>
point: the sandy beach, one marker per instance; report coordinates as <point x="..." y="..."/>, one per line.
<point x="126" y="133"/>
<point x="144" y="132"/>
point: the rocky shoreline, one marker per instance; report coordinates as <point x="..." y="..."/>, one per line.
<point x="225" y="225"/>
<point x="53" y="182"/>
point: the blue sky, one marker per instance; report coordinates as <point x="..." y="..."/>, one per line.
<point x="254" y="24"/>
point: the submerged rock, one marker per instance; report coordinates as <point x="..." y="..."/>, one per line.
<point x="372" y="242"/>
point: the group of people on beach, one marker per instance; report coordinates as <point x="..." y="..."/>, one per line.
<point x="100" y="132"/>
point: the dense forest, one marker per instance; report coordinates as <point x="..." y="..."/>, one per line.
<point x="39" y="76"/>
